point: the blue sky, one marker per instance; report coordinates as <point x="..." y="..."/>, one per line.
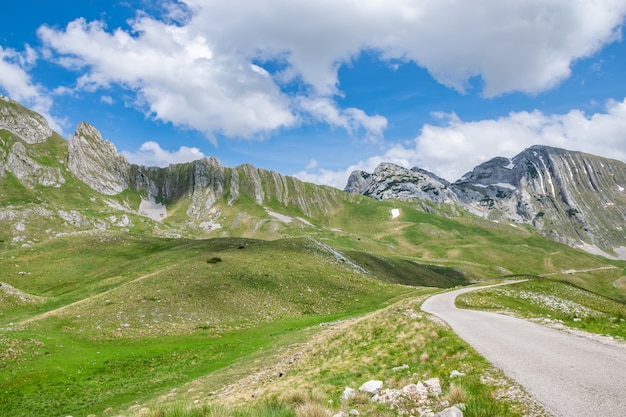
<point x="318" y="89"/>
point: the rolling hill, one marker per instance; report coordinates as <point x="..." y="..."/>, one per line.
<point x="120" y="282"/>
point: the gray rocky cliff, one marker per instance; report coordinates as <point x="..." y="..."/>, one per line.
<point x="96" y="162"/>
<point x="393" y="181"/>
<point x="572" y="197"/>
<point x="29" y="171"/>
<point x="358" y="182"/>
<point x="203" y="182"/>
<point x="23" y="123"/>
<point x="25" y="129"/>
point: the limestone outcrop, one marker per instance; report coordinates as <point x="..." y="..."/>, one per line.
<point x="23" y="123"/>
<point x="393" y="181"/>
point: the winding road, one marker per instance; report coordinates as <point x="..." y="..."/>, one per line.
<point x="570" y="376"/>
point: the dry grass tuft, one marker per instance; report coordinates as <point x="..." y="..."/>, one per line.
<point x="295" y="398"/>
<point x="360" y="398"/>
<point x="311" y="409"/>
<point x="456" y="395"/>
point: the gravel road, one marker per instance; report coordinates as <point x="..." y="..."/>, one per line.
<point x="568" y="375"/>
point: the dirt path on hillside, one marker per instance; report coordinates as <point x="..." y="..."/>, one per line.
<point x="579" y="271"/>
<point x="567" y="374"/>
<point x="85" y="300"/>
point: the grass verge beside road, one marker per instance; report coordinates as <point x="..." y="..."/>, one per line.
<point x="554" y="302"/>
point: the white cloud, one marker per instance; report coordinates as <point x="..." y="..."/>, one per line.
<point x="205" y="71"/>
<point x="514" y="46"/>
<point x="312" y="164"/>
<point x="107" y="99"/>
<point x="19" y="86"/>
<point x="395" y="154"/>
<point x="151" y="154"/>
<point x="456" y="147"/>
<point x="175" y="73"/>
<point x="351" y="119"/>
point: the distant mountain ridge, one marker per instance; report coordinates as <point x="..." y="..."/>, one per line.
<point x="573" y="197"/>
<point x="97" y="163"/>
<point x="51" y="186"/>
<point x="84" y="183"/>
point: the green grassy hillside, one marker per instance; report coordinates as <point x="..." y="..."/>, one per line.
<point x="118" y="317"/>
<point x="114" y="317"/>
<point x="103" y="308"/>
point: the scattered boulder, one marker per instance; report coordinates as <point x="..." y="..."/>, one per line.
<point x="456" y="373"/>
<point x="434" y="387"/>
<point x="415" y="392"/>
<point x="371" y="387"/>
<point x="348" y="393"/>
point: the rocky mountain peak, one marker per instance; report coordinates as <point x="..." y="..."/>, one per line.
<point x="499" y="168"/>
<point x="203" y="182"/>
<point x="25" y="128"/>
<point x="358" y="182"/>
<point x="572" y="197"/>
<point x="22" y="122"/>
<point x="96" y="161"/>
<point x="393" y="181"/>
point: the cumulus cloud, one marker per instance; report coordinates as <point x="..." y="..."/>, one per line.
<point x="396" y="154"/>
<point x="151" y="154"/>
<point x="513" y="46"/>
<point x="175" y="74"/>
<point x="351" y="119"/>
<point x="208" y="68"/>
<point x="18" y="84"/>
<point x="455" y="147"/>
<point x="312" y="164"/>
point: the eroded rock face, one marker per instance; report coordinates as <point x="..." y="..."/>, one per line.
<point x="358" y="182"/>
<point x="29" y="172"/>
<point x="23" y="123"/>
<point x="96" y="161"/>
<point x="573" y="197"/>
<point x="203" y="182"/>
<point x="26" y="128"/>
<point x="393" y="181"/>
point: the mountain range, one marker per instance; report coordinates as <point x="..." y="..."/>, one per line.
<point x="84" y="183"/>
<point x="572" y="197"/>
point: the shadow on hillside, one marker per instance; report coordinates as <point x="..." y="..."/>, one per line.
<point x="407" y="272"/>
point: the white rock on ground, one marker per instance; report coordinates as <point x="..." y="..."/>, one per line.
<point x="433" y="385"/>
<point x="371" y="387"/>
<point x="348" y="393"/>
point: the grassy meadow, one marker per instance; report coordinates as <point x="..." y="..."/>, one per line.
<point x="102" y="319"/>
<point x="122" y="320"/>
<point x="291" y="293"/>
